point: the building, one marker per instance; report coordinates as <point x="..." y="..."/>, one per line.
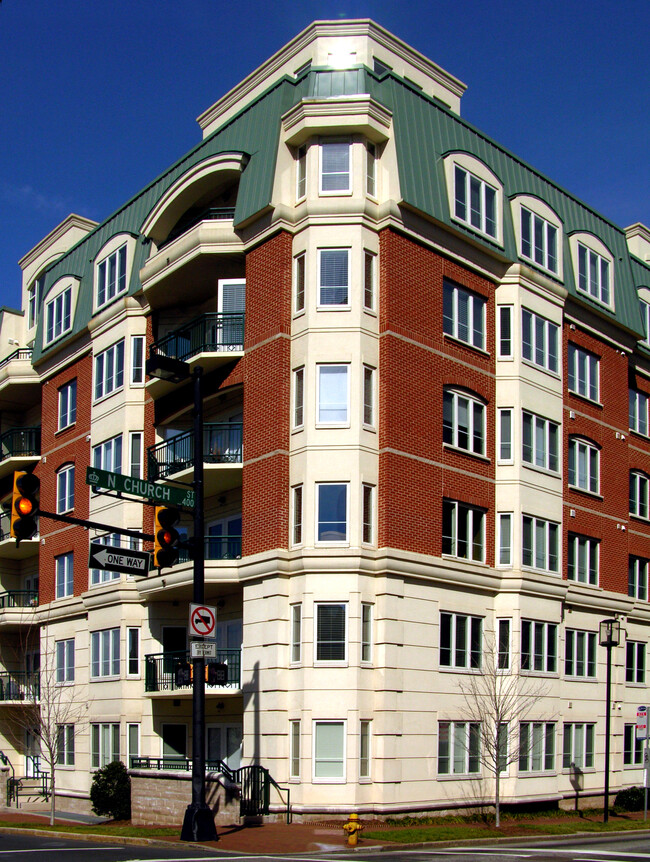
<point x="427" y="375"/>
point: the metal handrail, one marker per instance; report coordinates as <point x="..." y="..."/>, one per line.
<point x="212" y="332"/>
<point x="18" y="599"/>
<point x="177" y="763"/>
<point x="161" y="670"/>
<point x="19" y="685"/>
<point x="222" y="444"/>
<point x="20" y="441"/>
<point x="21" y="353"/>
<point x="216" y="548"/>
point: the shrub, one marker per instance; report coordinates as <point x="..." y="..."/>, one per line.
<point x="110" y="792"/>
<point x="630" y="799"/>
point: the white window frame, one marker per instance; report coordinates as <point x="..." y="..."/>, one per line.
<point x="65" y="488"/>
<point x="297" y="524"/>
<point x="318" y="640"/>
<point x="465" y="210"/>
<point x="584" y="465"/>
<point x="323" y="305"/>
<point x="544" y="557"/>
<point x="594" y="273"/>
<point x="541" y="656"/>
<point x="583" y="377"/>
<point x="133" y="662"/>
<point x="65" y="745"/>
<point x="475" y="305"/>
<point x="505" y="441"/>
<point x="580" y="659"/>
<point x="104" y="743"/>
<point x="58" y="316"/>
<point x="472" y="518"/>
<point x="452" y="431"/>
<point x="109" y="376"/>
<point x="102" y="576"/>
<point x="365" y="655"/>
<point x="107" y="289"/>
<point x="645" y="314"/>
<point x="369" y="280"/>
<point x="64" y="575"/>
<point x="298" y="413"/>
<point x="296" y="633"/>
<point x="104" y="454"/>
<point x="130" y="753"/>
<point x="544" y="444"/>
<point x="579" y="735"/>
<point x="371" y="169"/>
<point x="346" y="189"/>
<point x="541" y="246"/>
<point x="136" y="448"/>
<point x="301" y="172"/>
<point x="639" y="494"/>
<point x="346" y="539"/>
<point x="464" y="630"/>
<point x="638" y="412"/>
<point x="537" y="747"/>
<point x="105" y="654"/>
<point x="67" y="404"/>
<point x="459" y="750"/>
<point x="65" y="660"/>
<point x="505" y="522"/>
<point x="299" y="276"/>
<point x="637" y="578"/>
<point x="632" y="746"/>
<point x="583" y="559"/>
<point x="365" y="749"/>
<point x="635" y="662"/>
<point x="339" y="778"/>
<point x="505" y="317"/>
<point x="138" y="346"/>
<point x="368" y="399"/>
<point x="540" y="341"/>
<point x="367" y="514"/>
<point x="294" y="749"/>
<point x="503" y="632"/>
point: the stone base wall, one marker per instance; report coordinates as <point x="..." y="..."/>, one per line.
<point x="160" y="798"/>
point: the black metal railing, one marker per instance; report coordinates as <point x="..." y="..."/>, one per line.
<point x="172" y="671"/>
<point x="213" y="332"/>
<point x="176" y="763"/>
<point x="222" y="444"/>
<point x="19" y="685"/>
<point x="196" y="216"/>
<point x="20" y="442"/>
<point x="21" y="353"/>
<point x="18" y="599"/>
<point x="216" y="548"/>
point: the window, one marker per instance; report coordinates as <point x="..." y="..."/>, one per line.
<point x="297" y="515"/>
<point x="371" y="169"/>
<point x="333" y="276"/>
<point x="65" y="745"/>
<point x="540" y="544"/>
<point x="298" y="397"/>
<point x="135" y="459"/>
<point x="294" y="758"/>
<point x="301" y="172"/>
<point x="582" y="565"/>
<point x="463" y="315"/>
<point x="296" y="633"/>
<point x="133" y="652"/>
<point x="331" y="640"/>
<point x="578" y="746"/>
<point x="132" y="743"/>
<point x="67" y="405"/>
<point x="364" y="749"/>
<point x="538" y="240"/>
<point x="593" y="274"/>
<point x="580" y="653"/>
<point x="638" y="494"/>
<point x="64" y="575"/>
<point x="634" y="662"/>
<point x="583" y="373"/>
<point x="584" y="464"/>
<point x="536" y="746"/>
<point x="367" y="514"/>
<point x="329" y="750"/>
<point x="111" y="276"/>
<point x="463" y="422"/>
<point x="332" y="518"/>
<point x="632" y="747"/>
<point x="108" y="455"/>
<point x="505" y="332"/>
<point x="505" y="539"/>
<point x="505" y="434"/>
<point x="34" y="293"/>
<point x="369" y="280"/>
<point x="460" y="641"/>
<point x="58" y="315"/>
<point x="637" y="580"/>
<point x="333" y="394"/>
<point x="462" y="531"/>
<point x="104" y="744"/>
<point x="458" y="747"/>
<point x="65" y="489"/>
<point x="334" y="166"/>
<point x="65" y="660"/>
<point x="137" y="360"/>
<point x="503" y="644"/>
<point x="300" y="283"/>
<point x="645" y="314"/>
<point x="539" y="340"/>
<point x="475" y="202"/>
<point x="638" y="409"/>
<point x="105" y="653"/>
<point x="538" y="646"/>
<point x="366" y="632"/>
<point x="109" y="370"/>
<point x="368" y="395"/>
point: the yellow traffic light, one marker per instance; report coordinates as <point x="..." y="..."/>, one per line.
<point x="24" y="506"/>
<point x="166" y="537"/>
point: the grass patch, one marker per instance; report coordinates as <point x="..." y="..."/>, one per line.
<point x="97" y="829"/>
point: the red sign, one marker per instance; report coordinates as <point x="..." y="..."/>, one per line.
<point x="203" y="620"/>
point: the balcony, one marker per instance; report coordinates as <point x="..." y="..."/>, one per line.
<point x="211" y="339"/>
<point x="19" y="383"/>
<point x="222" y="554"/>
<point x="17" y="608"/>
<point x="216" y="548"/>
<point x="19" y="686"/>
<point x="171" y="672"/>
<point x="222" y="457"/>
<point x="8" y="549"/>
<point x="19" y="448"/>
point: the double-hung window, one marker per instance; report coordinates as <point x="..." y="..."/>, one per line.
<point x="136" y="439"/>
<point x="583" y="372"/>
<point x="367" y="514"/>
<point x="111" y="276"/>
<point x="335" y="166"/>
<point x="540" y="442"/>
<point x="582" y="562"/>
<point x="593" y="274"/>
<point x="538" y="646"/>
<point x="109" y="370"/>
<point x="297" y="515"/>
<point x="463" y="315"/>
<point x="333" y="277"/>
<point x="504" y="522"/>
<point x="578" y="749"/>
<point x="369" y="270"/>
<point x="538" y="240"/>
<point x="539" y="340"/>
<point x="299" y="283"/>
<point x="639" y="494"/>
<point x="460" y="640"/>
<point x="475" y="202"/>
<point x="65" y="489"/>
<point x="503" y="644"/>
<point x="58" y="315"/>
<point x="505" y="434"/>
<point x="505" y="332"/>
<point x="294" y="758"/>
<point x="105" y="653"/>
<point x="333" y="394"/>
<point x="67" y="404"/>
<point x="638" y="410"/>
<point x="580" y="654"/>
<point x="371" y="169"/>
<point x="64" y="575"/>
<point x="65" y="660"/>
<point x="108" y="455"/>
<point x="298" y="397"/>
<point x="540" y="544"/>
<point x="137" y="360"/>
<point x="301" y="172"/>
<point x="331" y="632"/>
<point x="133" y="652"/>
<point x="329" y="751"/>
<point x="463" y="531"/>
<point x="364" y="749"/>
<point x="637" y="578"/>
<point x="536" y="746"/>
<point x="463" y="422"/>
<point x="296" y="633"/>
<point x="366" y="632"/>
<point x="34" y="293"/>
<point x="332" y="512"/>
<point x="635" y="662"/>
<point x="65" y="745"/>
<point x="584" y="461"/>
<point x="368" y="396"/>
<point x="632" y="746"/>
<point x="104" y="744"/>
<point x="459" y="747"/>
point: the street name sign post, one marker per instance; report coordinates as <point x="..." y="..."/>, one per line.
<point x="111" y="559"/>
<point x="642" y="733"/>
<point x="162" y="494"/>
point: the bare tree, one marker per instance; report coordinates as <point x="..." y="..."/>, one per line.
<point x="497" y="698"/>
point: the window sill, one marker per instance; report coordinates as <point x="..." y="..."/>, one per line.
<point x="555" y="474"/>
<point x="337" y="193"/>
<point x="546" y="674"/>
<point x="328" y="426"/>
<point x="115" y="678"/>
<point x="452" y="669"/>
<point x="333" y="663"/>
<point x="108" y="302"/>
<point x="108" y="395"/>
<point x="542" y="571"/>
<point x="583" y="583"/>
<point x="64" y="429"/>
<point x="639" y="434"/>
<point x="593" y="494"/>
<point x="463" y="559"/>
<point x="48" y="344"/>
<point x="333" y="308"/>
<point x="541" y="368"/>
<point x="475" y="231"/>
<point x="587" y="295"/>
<point x="371" y="429"/>
<point x="635" y="684"/>
<point x="471" y="346"/>
<point x="539" y="773"/>
<point x="459" y="776"/>
<point x="460" y="450"/>
<point x="585" y="398"/>
<point x="641" y="518"/>
<point x="582" y="679"/>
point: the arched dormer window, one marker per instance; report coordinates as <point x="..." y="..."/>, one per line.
<point x="59" y="309"/>
<point x="112" y="269"/>
<point x="539" y="233"/>
<point x="475" y="195"/>
<point x="593" y="265"/>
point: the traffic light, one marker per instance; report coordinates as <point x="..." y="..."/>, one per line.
<point x="165" y="552"/>
<point x="24" y="506"/>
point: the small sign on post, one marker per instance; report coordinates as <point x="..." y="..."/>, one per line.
<point x="642" y="722"/>
<point x="199" y="649"/>
<point x="111" y="559"/>
<point x="203" y="620"/>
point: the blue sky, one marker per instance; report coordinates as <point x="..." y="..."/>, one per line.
<point x="97" y="98"/>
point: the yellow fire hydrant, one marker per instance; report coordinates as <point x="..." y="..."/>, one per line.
<point x="353" y="829"/>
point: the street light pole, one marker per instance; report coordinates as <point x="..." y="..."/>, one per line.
<point x="610" y="636"/>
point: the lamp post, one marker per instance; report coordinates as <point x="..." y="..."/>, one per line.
<point x="198" y="823"/>
<point x="609" y="636"/>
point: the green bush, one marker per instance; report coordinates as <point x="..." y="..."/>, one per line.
<point x="630" y="799"/>
<point x="110" y="792"/>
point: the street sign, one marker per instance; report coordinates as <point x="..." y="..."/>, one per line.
<point x="642" y="722"/>
<point x="203" y="620"/>
<point x="203" y="650"/>
<point x="118" y="559"/>
<point x="164" y="494"/>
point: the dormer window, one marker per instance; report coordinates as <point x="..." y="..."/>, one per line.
<point x="475" y="202"/>
<point x="538" y="240"/>
<point x="58" y="315"/>
<point x="335" y="166"/>
<point x="594" y="274"/>
<point x="111" y="276"/>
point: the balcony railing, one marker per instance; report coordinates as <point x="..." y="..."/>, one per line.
<point x="214" y="332"/>
<point x="222" y="444"/>
<point x="162" y="670"/>
<point x="19" y="685"/>
<point x="194" y="217"/>
<point x="18" y="599"/>
<point x="20" y="442"/>
<point x="21" y="353"/>
<point x="216" y="548"/>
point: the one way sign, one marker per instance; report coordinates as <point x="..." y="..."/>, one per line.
<point x="118" y="560"/>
